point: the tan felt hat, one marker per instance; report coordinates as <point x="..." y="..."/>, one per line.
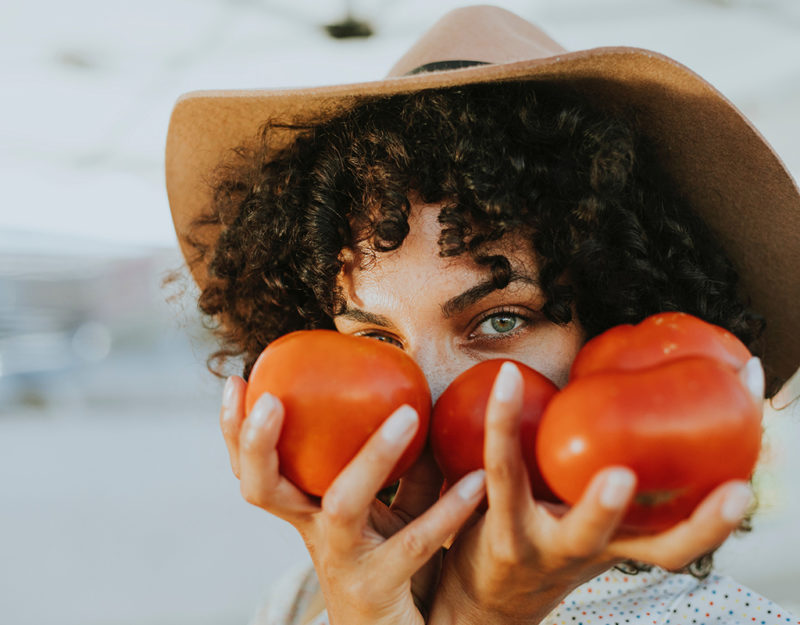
<point x="720" y="162"/>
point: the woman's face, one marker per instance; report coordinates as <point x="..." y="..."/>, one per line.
<point x="444" y="312"/>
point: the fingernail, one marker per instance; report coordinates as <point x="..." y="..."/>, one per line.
<point x="397" y="426"/>
<point x="506" y="382"/>
<point x="618" y="488"/>
<point x="736" y="503"/>
<point x="227" y="394"/>
<point x="262" y="409"/>
<point x="752" y="375"/>
<point x="472" y="484"/>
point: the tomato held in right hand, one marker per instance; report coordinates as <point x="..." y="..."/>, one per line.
<point x="458" y="422"/>
<point x="658" y="339"/>
<point x="663" y="398"/>
<point x="336" y="391"/>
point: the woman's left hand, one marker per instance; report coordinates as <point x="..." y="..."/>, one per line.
<point x="521" y="558"/>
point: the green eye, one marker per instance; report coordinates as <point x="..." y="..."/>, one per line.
<point x="499" y="324"/>
<point x="384" y="339"/>
<point x="503" y="323"/>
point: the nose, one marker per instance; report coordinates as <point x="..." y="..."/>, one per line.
<point x="439" y="364"/>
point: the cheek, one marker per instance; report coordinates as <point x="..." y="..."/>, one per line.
<point x="560" y="375"/>
<point x="549" y="351"/>
<point x="552" y="352"/>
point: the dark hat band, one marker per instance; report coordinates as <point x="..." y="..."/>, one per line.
<point x="441" y="66"/>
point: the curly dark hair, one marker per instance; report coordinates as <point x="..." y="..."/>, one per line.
<point x="615" y="242"/>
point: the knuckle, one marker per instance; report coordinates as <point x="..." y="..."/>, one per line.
<point x="502" y="423"/>
<point x="335" y="510"/>
<point x="506" y="553"/>
<point x="251" y="442"/>
<point x="381" y="455"/>
<point x="252" y="495"/>
<point x="499" y="469"/>
<point x="228" y="426"/>
<point x="414" y="545"/>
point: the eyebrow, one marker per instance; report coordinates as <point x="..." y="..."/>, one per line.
<point x="450" y="308"/>
<point x="460" y="303"/>
<point x="356" y="314"/>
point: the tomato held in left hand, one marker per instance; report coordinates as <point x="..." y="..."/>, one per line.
<point x="336" y="391"/>
<point x="663" y="398"/>
<point x="457" y="423"/>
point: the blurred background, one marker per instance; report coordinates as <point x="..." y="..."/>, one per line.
<point x="117" y="505"/>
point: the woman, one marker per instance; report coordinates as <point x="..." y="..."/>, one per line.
<point x="496" y="197"/>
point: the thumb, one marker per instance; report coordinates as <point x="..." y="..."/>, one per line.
<point x="419" y="487"/>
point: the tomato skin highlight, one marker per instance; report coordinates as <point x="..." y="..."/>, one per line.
<point x="658" y="339"/>
<point x="458" y="422"/>
<point x="663" y="398"/>
<point x="337" y="390"/>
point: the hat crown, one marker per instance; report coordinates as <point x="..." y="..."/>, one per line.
<point x="485" y="34"/>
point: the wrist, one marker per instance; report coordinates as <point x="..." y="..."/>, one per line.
<point x="455" y="604"/>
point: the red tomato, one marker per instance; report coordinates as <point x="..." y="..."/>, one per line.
<point x="337" y="390"/>
<point x="684" y="424"/>
<point x="658" y="339"/>
<point x="457" y="424"/>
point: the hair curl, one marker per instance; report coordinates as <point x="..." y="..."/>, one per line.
<point x="614" y="241"/>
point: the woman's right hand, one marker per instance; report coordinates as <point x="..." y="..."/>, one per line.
<point x="364" y="553"/>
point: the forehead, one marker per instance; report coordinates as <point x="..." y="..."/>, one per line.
<point x="418" y="262"/>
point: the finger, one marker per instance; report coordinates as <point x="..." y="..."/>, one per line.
<point x="588" y="526"/>
<point x="231" y="416"/>
<point x="410" y="548"/>
<point x="347" y="502"/>
<point x="506" y="476"/>
<point x="261" y="482"/>
<point x="752" y="376"/>
<point x="708" y="527"/>
<point x="419" y="488"/>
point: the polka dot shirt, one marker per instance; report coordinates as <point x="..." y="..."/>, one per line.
<point x="661" y="598"/>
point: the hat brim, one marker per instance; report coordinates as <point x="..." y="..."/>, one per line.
<point x="719" y="161"/>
